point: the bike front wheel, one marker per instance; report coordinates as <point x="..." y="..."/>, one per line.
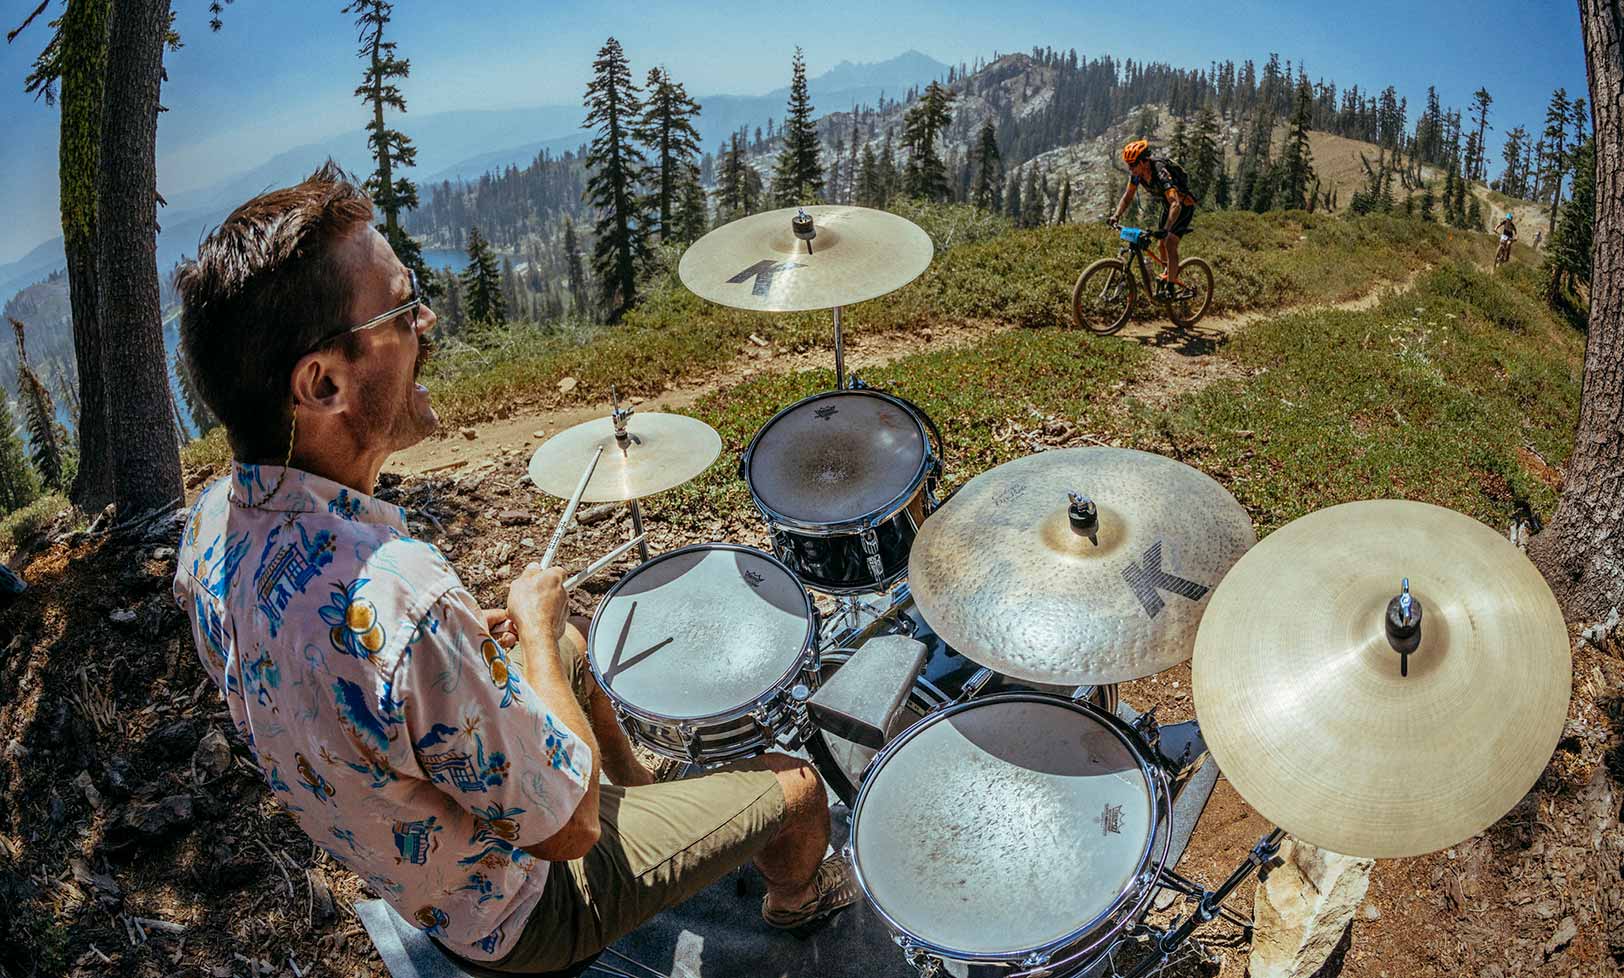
<point x="1196" y="295"/>
<point x="1103" y="297"/>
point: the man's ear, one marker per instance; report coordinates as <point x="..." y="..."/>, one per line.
<point x="321" y="383"/>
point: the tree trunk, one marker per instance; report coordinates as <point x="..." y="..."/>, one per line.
<point x="84" y="69"/>
<point x="146" y="466"/>
<point x="1582" y="552"/>
<point x="386" y="180"/>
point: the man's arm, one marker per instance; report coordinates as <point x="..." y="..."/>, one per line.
<point x="1122" y="205"/>
<point x="538" y="606"/>
<point x="1175" y="207"/>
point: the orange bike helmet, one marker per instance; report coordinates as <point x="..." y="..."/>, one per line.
<point x="1132" y="151"/>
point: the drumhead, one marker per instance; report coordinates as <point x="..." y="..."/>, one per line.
<point x="700" y="631"/>
<point x="1003" y="825"/>
<point x="837" y="457"/>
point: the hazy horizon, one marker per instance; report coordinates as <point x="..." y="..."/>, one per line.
<point x="239" y="97"/>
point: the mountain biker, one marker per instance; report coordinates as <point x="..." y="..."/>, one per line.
<point x="1167" y="180"/>
<point x="1507" y="230"/>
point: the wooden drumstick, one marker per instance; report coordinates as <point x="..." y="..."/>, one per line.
<point x="602" y="562"/>
<point x="569" y="511"/>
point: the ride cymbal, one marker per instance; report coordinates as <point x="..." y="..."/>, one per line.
<point x="662" y="451"/>
<point x="1003" y="574"/>
<point x="1333" y="734"/>
<point x="758" y="262"/>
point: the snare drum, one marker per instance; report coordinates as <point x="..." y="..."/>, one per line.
<point x="1023" y="832"/>
<point x="844" y="479"/>
<point x="701" y="651"/>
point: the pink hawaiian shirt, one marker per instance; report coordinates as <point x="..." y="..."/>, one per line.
<point x="380" y="710"/>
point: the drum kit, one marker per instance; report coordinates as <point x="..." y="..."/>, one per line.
<point x="1381" y="678"/>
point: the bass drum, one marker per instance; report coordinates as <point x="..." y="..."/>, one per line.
<point x="842" y="762"/>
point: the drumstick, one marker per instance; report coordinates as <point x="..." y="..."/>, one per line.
<point x="602" y="562"/>
<point x="569" y="511"/>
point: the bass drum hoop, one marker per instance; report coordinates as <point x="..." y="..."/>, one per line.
<point x="927" y="464"/>
<point x="1043" y="959"/>
<point x="805" y="661"/>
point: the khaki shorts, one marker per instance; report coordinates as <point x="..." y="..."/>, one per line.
<point x="661" y="844"/>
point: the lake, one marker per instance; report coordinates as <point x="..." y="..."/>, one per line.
<point x="438" y="258"/>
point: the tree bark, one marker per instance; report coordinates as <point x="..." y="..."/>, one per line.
<point x="1582" y="552"/>
<point x="146" y="464"/>
<point x="84" y="68"/>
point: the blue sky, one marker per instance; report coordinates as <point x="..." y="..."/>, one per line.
<point x="282" y="72"/>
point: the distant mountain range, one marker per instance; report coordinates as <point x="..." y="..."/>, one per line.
<point x="458" y="145"/>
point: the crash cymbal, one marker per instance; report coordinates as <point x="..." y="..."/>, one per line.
<point x="1332" y="734"/>
<point x="662" y="451"/>
<point x="1002" y="574"/>
<point x="757" y="262"/>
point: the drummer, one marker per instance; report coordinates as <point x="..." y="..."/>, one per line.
<point x="458" y="778"/>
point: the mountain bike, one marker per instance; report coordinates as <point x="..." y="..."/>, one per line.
<point x="1106" y="292"/>
<point x="1503" y="253"/>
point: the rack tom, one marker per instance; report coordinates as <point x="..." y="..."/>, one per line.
<point x="844" y="480"/>
<point x="707" y="653"/>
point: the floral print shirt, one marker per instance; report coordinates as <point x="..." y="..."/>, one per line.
<point x="380" y="710"/>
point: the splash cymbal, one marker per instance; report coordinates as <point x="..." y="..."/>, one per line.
<point x="1002" y="575"/>
<point x="662" y="451"/>
<point x="1333" y="734"/>
<point x="759" y="263"/>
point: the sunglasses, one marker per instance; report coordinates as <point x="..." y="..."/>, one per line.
<point x="416" y="301"/>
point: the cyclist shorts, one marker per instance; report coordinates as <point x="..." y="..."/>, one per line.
<point x="1181" y="227"/>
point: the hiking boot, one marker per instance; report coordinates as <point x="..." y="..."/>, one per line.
<point x="836" y="890"/>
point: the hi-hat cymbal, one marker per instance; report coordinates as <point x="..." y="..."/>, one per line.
<point x="1306" y="703"/>
<point x="1003" y="576"/>
<point x="758" y="263"/>
<point x="662" y="451"/>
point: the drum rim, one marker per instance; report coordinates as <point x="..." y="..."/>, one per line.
<point x="1161" y="804"/>
<point x="900" y="502"/>
<point x="800" y="665"/>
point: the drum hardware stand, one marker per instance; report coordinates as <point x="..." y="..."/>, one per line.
<point x="973" y="686"/>
<point x="801" y="224"/>
<point x="1209" y="902"/>
<point x="1084" y="516"/>
<point x="1104" y="696"/>
<point x="1403" y="620"/>
<point x="623" y="441"/>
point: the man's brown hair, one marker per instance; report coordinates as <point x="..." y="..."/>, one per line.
<point x="264" y="289"/>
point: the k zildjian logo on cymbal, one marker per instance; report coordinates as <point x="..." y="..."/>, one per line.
<point x="763" y="272"/>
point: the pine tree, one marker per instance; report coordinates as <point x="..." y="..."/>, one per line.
<point x="1556" y="143"/>
<point x="1012" y="198"/>
<point x="452" y="316"/>
<point x="692" y="215"/>
<point x="1062" y="211"/>
<point x="1206" y="156"/>
<point x="988" y="169"/>
<point x="889" y="177"/>
<point x="580" y="302"/>
<point x="1463" y="216"/>
<point x="1516" y="148"/>
<point x="1570" y="252"/>
<point x="1481" y="100"/>
<point x="203" y="420"/>
<point x="390" y="148"/>
<point x="618" y="171"/>
<point x="39" y="414"/>
<point x="1296" y="159"/>
<point x="738" y="187"/>
<point x="1031" y="199"/>
<point x="667" y="129"/>
<point x="1179" y="148"/>
<point x="926" y="175"/>
<point x="798" y="177"/>
<point x="19" y="486"/>
<point x="1451" y="181"/>
<point x="1221" y="194"/>
<point x="482" y="283"/>
<point x="867" y="192"/>
<point x="1428" y="202"/>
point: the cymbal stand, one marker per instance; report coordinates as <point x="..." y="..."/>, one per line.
<point x="623" y="441"/>
<point x="804" y="229"/>
<point x="1208" y="902"/>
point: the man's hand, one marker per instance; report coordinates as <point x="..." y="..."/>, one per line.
<point x="538" y="597"/>
<point x="501" y="626"/>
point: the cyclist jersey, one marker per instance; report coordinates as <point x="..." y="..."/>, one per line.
<point x="1506" y="228"/>
<point x="1167" y="179"/>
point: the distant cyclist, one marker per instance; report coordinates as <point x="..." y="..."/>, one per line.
<point x="1167" y="180"/>
<point x="1507" y="230"/>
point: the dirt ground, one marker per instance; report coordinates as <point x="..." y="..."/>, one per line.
<point x="124" y="799"/>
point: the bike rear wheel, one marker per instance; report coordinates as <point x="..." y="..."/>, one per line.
<point x="1103" y="297"/>
<point x="1196" y="276"/>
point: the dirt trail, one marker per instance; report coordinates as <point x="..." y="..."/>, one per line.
<point x="1183" y="362"/>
